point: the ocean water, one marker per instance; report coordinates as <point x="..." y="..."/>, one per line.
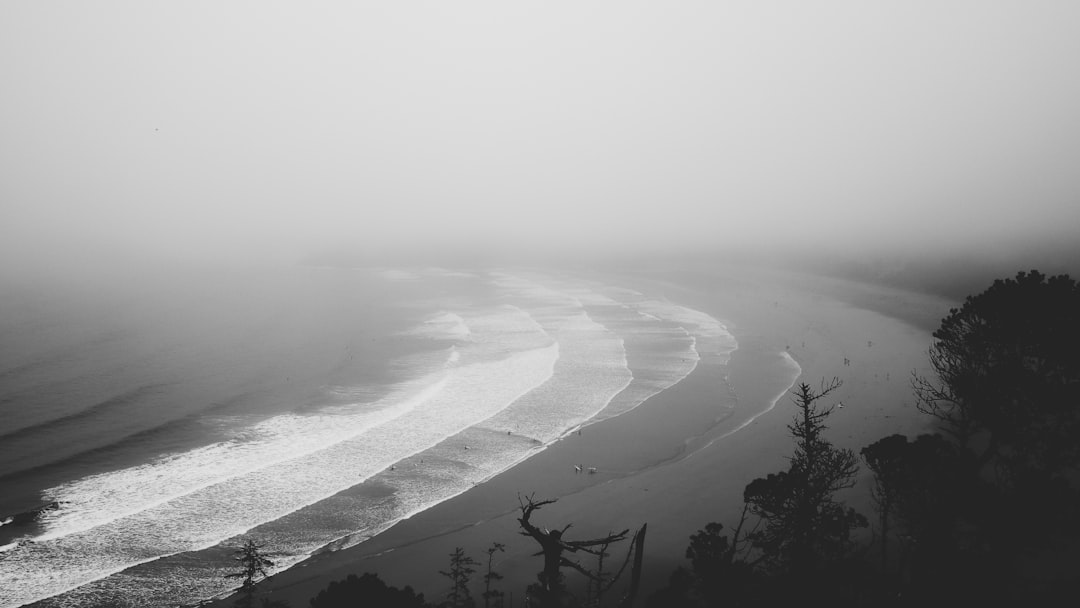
<point x="306" y="408"/>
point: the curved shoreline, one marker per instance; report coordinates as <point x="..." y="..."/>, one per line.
<point x="632" y="441"/>
<point x="552" y="460"/>
<point x="677" y="495"/>
<point x="770" y="407"/>
<point x="635" y="401"/>
<point x="332" y="548"/>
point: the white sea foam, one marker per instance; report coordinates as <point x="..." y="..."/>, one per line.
<point x="667" y="339"/>
<point x="99" y="499"/>
<point x="707" y="331"/>
<point x="443" y="325"/>
<point x="591" y="371"/>
<point x="712" y="334"/>
<point x="113" y="521"/>
<point x="548" y="356"/>
<point x="196" y="499"/>
<point x="664" y="340"/>
<point x="543" y="295"/>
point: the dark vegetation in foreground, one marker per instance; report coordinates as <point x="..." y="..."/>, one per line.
<point x="982" y="512"/>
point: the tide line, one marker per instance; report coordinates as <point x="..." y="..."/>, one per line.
<point x="772" y="404"/>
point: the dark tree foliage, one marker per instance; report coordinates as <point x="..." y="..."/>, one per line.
<point x="923" y="489"/>
<point x="802" y="535"/>
<point x="1007" y="393"/>
<point x="933" y="487"/>
<point x="719" y="577"/>
<point x="366" y="590"/>
<point x="805" y="527"/>
<point x="460" y="572"/>
<point x="253" y="564"/>
<point x="982" y="515"/>
<point x="1008" y="376"/>
<point x="492" y="596"/>
<point x="681" y="591"/>
<point x="885" y="459"/>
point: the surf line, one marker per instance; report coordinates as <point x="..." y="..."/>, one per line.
<point x="772" y="404"/>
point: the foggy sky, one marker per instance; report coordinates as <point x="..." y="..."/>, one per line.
<point x="281" y="130"/>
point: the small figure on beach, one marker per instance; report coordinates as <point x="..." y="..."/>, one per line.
<point x="577" y="468"/>
<point x="592" y="470"/>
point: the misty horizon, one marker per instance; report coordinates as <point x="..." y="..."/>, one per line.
<point x="483" y="131"/>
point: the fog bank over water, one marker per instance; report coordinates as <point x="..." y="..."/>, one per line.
<point x="137" y="134"/>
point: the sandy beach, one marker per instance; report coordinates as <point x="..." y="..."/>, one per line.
<point x="681" y="459"/>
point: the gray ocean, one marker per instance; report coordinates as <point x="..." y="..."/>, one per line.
<point x="157" y="423"/>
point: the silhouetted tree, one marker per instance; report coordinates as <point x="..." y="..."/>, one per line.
<point x="924" y="488"/>
<point x="937" y="493"/>
<point x="718" y="576"/>
<point x="1006" y="390"/>
<point x="253" y="564"/>
<point x="461" y="570"/>
<point x="982" y="513"/>
<point x="366" y="590"/>
<point x="885" y="457"/>
<point x="601" y="580"/>
<point x="1007" y="372"/>
<point x="594" y="591"/>
<point x="550" y="590"/>
<point x="492" y="597"/>
<point x="805" y="527"/>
